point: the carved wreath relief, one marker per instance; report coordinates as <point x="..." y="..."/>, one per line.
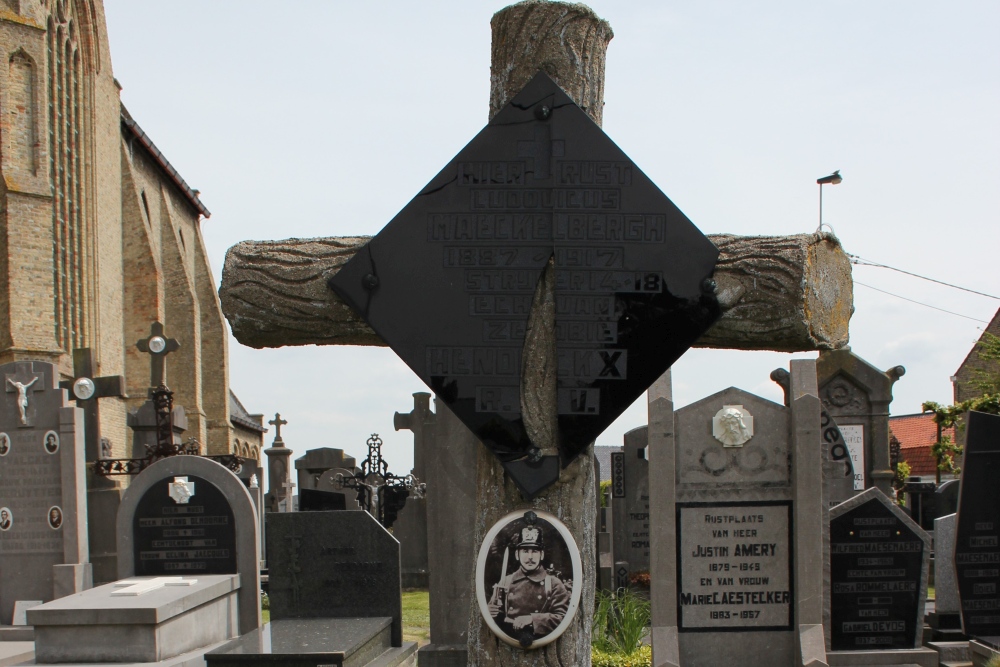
<point x="732" y="426"/>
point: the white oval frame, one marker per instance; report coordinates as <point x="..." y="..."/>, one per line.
<point x="574" y="601"/>
<point x="10" y="444"/>
<point x="48" y="517"/>
<point x="10" y="516"/>
<point x="45" y="439"/>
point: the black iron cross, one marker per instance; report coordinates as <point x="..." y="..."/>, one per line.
<point x="158" y="346"/>
<point x="86" y="389"/>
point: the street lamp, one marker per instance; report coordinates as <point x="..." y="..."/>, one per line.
<point x="832" y="179"/>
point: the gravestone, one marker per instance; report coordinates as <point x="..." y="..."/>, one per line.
<point x="977" y="545"/>
<point x="410" y="527"/>
<point x="879" y="561"/>
<point x="737" y="527"/>
<point x="946" y="617"/>
<point x="310" y="467"/>
<point x="451" y="515"/>
<point x="43" y="515"/>
<point x="280" y="495"/>
<point x="619" y="514"/>
<point x="631" y="520"/>
<point x="333" y="565"/>
<point x="857" y="396"/>
<point x="189" y="516"/>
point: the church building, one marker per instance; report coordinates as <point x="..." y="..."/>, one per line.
<point x="99" y="234"/>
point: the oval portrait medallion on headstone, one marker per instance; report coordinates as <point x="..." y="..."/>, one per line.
<point x="51" y="442"/>
<point x="55" y="517"/>
<point x="528" y="579"/>
<point x="4" y="444"/>
<point x="6" y="518"/>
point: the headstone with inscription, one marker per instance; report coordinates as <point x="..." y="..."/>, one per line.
<point x="879" y="561"/>
<point x="737" y="528"/>
<point x="857" y="396"/>
<point x="190" y="516"/>
<point x="977" y="545"/>
<point x="333" y="565"/>
<point x="43" y="517"/>
<point x="631" y="537"/>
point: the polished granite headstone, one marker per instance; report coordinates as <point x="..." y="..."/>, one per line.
<point x="878" y="575"/>
<point x="977" y="547"/>
<point x="542" y="182"/>
<point x="198" y="537"/>
<point x="333" y="565"/>
<point x="314" y="500"/>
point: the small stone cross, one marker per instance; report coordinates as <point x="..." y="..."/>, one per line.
<point x="86" y="389"/>
<point x="133" y="587"/>
<point x="277" y="423"/>
<point x="158" y="346"/>
<point x="21" y="381"/>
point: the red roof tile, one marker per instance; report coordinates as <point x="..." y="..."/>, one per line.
<point x="916" y="434"/>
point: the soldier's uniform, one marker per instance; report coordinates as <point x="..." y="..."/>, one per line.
<point x="537" y="594"/>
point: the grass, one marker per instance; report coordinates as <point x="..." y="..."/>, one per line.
<point x="620" y="622"/>
<point x="416" y="616"/>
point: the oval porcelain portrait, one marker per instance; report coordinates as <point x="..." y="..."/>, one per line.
<point x="528" y="579"/>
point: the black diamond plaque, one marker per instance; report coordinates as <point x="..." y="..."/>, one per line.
<point x="448" y="283"/>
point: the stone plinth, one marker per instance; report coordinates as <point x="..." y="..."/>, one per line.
<point x="99" y="626"/>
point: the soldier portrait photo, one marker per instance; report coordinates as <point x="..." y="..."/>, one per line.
<point x="527" y="581"/>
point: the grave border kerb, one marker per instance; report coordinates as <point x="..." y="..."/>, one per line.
<point x="247" y="536"/>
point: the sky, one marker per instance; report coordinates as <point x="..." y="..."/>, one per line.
<point x="308" y="119"/>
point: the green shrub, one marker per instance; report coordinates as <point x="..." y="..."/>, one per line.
<point x="641" y="657"/>
<point x="605" y="489"/>
<point x="992" y="662"/>
<point x="621" y="621"/>
<point x="265" y="602"/>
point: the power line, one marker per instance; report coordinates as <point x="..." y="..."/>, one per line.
<point x="860" y="261"/>
<point x="920" y="303"/>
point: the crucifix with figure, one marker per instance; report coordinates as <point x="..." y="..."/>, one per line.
<point x="556" y="283"/>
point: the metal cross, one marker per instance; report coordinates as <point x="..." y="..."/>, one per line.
<point x="85" y="389"/>
<point x="158" y="346"/>
<point x="277" y="423"/>
<point x="542" y="149"/>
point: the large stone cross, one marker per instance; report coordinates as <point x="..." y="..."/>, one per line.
<point x="277" y="423"/>
<point x="158" y="346"/>
<point x="86" y="390"/>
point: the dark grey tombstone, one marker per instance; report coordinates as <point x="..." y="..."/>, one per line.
<point x="946" y="498"/>
<point x="619" y="511"/>
<point x="309" y="468"/>
<point x="879" y="560"/>
<point x="142" y="421"/>
<point x="43" y="516"/>
<point x="977" y="546"/>
<point x="215" y="532"/>
<point x="333" y="565"/>
<point x="635" y="529"/>
<point x="410" y="527"/>
<point x="328" y="483"/>
<point x="857" y="395"/>
<point x="451" y="515"/>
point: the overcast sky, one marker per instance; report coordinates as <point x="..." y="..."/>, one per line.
<point x="305" y="119"/>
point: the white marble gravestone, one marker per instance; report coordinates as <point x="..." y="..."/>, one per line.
<point x="43" y="520"/>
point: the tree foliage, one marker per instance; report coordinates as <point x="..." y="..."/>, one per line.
<point x="944" y="449"/>
<point x="987" y="380"/>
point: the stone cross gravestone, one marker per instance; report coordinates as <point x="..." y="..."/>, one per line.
<point x="736" y="527"/>
<point x="411" y="526"/>
<point x="879" y="560"/>
<point x="333" y="565"/>
<point x="279" y="496"/>
<point x="188" y="515"/>
<point x="977" y="546"/>
<point x="43" y="516"/>
<point x="857" y="396"/>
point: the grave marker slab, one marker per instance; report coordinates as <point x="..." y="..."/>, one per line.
<point x="43" y="524"/>
<point x="977" y="546"/>
<point x="541" y="181"/>
<point x="632" y="533"/>
<point x="190" y="516"/>
<point x="333" y="565"/>
<point x="879" y="559"/>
